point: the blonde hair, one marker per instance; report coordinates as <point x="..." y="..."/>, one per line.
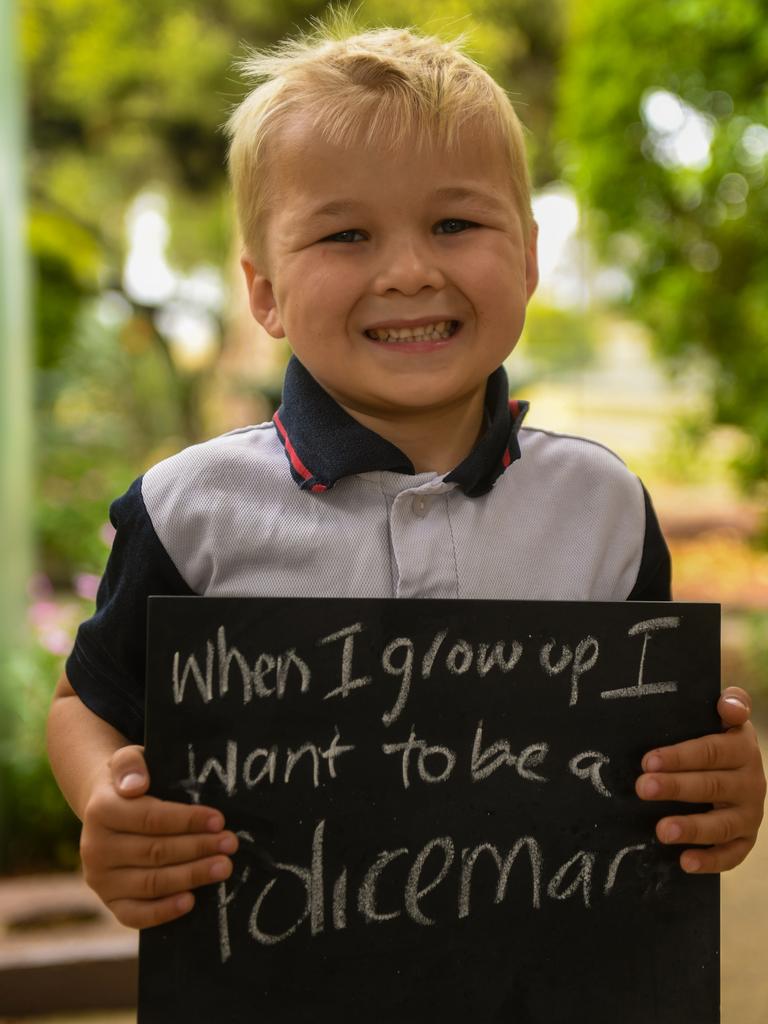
<point x="378" y="87"/>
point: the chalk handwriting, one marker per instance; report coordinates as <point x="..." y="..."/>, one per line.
<point x="588" y="766"/>
<point x="498" y="754"/>
<point x="348" y="682"/>
<point x="407" y="748"/>
<point x="312" y="880"/>
<point x="366" y="896"/>
<point x="224" y="670"/>
<point x="429" y="657"/>
<point x="225" y="898"/>
<point x="573" y="879"/>
<point x="412" y="891"/>
<point x="252" y="680"/>
<point x="404" y="670"/>
<point x="585" y="658"/>
<point x="584" y="861"/>
<point x="503" y="866"/>
<point x="643" y="689"/>
<point x="498" y="658"/>
<point x="261" y="764"/>
<point x="413" y="679"/>
<point x="613" y="869"/>
<point x="204" y="683"/>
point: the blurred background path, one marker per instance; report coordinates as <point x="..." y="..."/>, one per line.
<point x="744" y="929"/>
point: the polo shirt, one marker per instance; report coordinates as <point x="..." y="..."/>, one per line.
<point x="313" y="504"/>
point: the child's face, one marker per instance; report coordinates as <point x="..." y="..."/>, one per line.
<point x="363" y="242"/>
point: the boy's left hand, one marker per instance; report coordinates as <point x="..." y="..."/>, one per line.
<point x="724" y="769"/>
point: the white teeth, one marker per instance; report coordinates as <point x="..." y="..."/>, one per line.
<point x="441" y="329"/>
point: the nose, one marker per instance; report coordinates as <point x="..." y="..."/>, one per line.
<point x="407" y="265"/>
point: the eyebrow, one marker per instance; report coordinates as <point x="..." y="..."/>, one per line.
<point x="481" y="198"/>
<point x="336" y="208"/>
<point x="484" y="200"/>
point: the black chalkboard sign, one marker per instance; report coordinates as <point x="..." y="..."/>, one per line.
<point x="436" y="807"/>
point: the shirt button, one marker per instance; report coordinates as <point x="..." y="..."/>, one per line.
<point x="420" y="506"/>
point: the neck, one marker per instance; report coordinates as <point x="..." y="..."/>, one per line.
<point x="434" y="440"/>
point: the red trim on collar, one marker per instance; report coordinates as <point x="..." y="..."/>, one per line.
<point x="296" y="462"/>
<point x="514" y="408"/>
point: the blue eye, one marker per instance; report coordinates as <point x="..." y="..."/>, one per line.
<point x="454" y="225"/>
<point x="344" y="236"/>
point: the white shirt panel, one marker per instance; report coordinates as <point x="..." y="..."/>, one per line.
<point x="565" y="521"/>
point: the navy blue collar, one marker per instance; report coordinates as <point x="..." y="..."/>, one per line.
<point x="323" y="443"/>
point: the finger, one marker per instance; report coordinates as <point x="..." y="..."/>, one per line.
<point x="729" y="749"/>
<point x="716" y="858"/>
<point x="129" y="771"/>
<point x="148" y="816"/>
<point x="160" y="851"/>
<point x="713" y="828"/>
<point x="155" y="883"/>
<point x="708" y="787"/>
<point x="148" y="913"/>
<point x="734" y="706"/>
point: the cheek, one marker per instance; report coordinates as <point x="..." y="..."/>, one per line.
<point x="497" y="270"/>
<point x="321" y="286"/>
<point x="498" y="293"/>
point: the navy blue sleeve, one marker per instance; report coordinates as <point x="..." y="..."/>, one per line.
<point x="654" y="577"/>
<point x="108" y="662"/>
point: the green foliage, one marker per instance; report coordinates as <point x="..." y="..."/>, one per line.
<point x="112" y="400"/>
<point x="555" y="343"/>
<point x="749" y="662"/>
<point x="690" y="235"/>
<point x="37" y="828"/>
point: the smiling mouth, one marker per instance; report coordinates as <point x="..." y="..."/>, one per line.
<point x="441" y="330"/>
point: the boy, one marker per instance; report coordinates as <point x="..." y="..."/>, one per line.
<point x="383" y="196"/>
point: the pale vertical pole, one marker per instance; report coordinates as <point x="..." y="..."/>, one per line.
<point x="16" y="544"/>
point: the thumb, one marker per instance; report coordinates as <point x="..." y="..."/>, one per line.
<point x="734" y="706"/>
<point x="129" y="771"/>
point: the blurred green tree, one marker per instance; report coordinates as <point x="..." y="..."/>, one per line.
<point x="663" y="117"/>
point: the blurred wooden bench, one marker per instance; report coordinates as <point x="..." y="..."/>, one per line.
<point x="61" y="949"/>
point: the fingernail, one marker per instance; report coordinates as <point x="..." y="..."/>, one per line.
<point x="691" y="863"/>
<point x="215" y="823"/>
<point x="132" y="780"/>
<point x="653" y="763"/>
<point x="672" y="832"/>
<point x="228" y="844"/>
<point x="649" y="787"/>
<point x="736" y="703"/>
<point x="184" y="902"/>
<point x="220" y="869"/>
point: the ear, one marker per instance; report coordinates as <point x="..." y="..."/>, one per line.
<point x="532" y="261"/>
<point x="262" y="298"/>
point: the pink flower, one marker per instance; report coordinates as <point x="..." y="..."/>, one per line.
<point x="57" y="641"/>
<point x="107" y="534"/>
<point x="86" y="585"/>
<point x="43" y="613"/>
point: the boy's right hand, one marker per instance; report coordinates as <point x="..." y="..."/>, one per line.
<point x="141" y="855"/>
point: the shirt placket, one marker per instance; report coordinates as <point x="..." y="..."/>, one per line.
<point x="423" y="544"/>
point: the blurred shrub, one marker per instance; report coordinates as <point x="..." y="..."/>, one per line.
<point x="555" y="343"/>
<point x="756" y="654"/>
<point x="38" y="831"/>
<point x="662" y="120"/>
